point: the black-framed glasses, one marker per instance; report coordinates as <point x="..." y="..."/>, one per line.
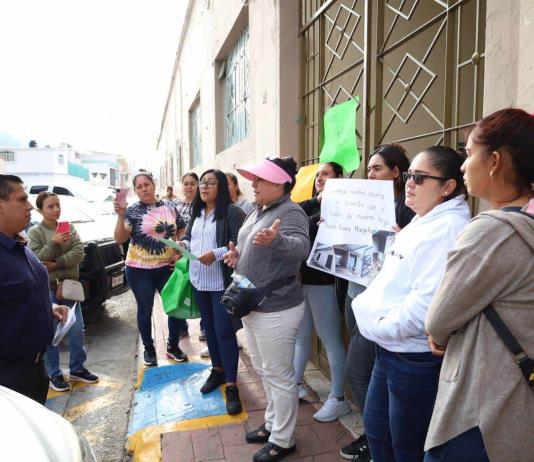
<point x="419" y="178"/>
<point x="208" y="183"/>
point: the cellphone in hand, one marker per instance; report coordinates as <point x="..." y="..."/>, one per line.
<point x="120" y="196"/>
<point x="63" y="227"/>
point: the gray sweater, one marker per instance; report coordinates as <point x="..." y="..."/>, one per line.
<point x="281" y="259"/>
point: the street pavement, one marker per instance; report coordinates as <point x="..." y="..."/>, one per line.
<point x="100" y="411"/>
<point x="103" y="412"/>
<point x="207" y="439"/>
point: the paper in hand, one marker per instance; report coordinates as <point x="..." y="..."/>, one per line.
<point x="63" y="328"/>
<point x="185" y="253"/>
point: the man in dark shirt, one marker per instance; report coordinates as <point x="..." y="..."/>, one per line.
<point x="26" y="311"/>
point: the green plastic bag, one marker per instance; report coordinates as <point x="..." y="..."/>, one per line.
<point x="177" y="295"/>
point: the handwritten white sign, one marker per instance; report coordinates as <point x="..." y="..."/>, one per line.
<point x="356" y="230"/>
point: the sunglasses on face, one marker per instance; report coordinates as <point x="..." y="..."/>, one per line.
<point x="419" y="178"/>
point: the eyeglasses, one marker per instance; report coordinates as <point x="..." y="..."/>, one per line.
<point x="419" y="178"/>
<point x="208" y="184"/>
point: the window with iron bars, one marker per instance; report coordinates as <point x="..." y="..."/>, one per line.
<point x="236" y="92"/>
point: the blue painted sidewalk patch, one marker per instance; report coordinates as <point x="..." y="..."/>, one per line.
<point x="171" y="394"/>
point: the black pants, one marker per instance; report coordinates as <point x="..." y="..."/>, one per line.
<point x="28" y="379"/>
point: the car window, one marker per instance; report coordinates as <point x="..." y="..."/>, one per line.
<point x="37" y="189"/>
<point x="62" y="191"/>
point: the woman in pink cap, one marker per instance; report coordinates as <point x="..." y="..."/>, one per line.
<point x="271" y="246"/>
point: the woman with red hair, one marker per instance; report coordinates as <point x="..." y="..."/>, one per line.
<point x="485" y="406"/>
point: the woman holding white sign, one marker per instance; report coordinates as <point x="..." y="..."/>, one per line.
<point x="321" y="312"/>
<point x="391" y="311"/>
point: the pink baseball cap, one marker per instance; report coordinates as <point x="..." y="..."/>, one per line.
<point x="266" y="170"/>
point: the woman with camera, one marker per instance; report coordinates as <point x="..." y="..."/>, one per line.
<point x="215" y="221"/>
<point x="61" y="251"/>
<point x="391" y="311"/>
<point x="485" y="406"/>
<point x="271" y="246"/>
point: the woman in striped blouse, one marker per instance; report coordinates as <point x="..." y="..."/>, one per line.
<point x="189" y="190"/>
<point x="215" y="221"/>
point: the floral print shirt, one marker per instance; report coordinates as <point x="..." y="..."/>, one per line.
<point x="146" y="223"/>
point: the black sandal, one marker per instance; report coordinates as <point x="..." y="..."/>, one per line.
<point x="260" y="435"/>
<point x="272" y="452"/>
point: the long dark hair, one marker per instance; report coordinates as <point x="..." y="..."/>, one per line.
<point x="223" y="196"/>
<point x="234" y="180"/>
<point x="338" y="171"/>
<point x="448" y="163"/>
<point x="394" y="155"/>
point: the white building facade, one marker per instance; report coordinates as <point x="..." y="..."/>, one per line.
<point x="233" y="98"/>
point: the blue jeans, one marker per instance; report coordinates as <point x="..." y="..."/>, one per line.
<point x="220" y="333"/>
<point x="144" y="283"/>
<point x="399" y="404"/>
<point x="77" y="353"/>
<point x="466" y="447"/>
<point x="322" y="311"/>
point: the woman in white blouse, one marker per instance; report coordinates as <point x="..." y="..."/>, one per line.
<point x="214" y="222"/>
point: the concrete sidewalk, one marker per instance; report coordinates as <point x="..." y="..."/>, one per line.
<point x="315" y="441"/>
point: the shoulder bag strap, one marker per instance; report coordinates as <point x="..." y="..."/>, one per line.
<point x="522" y="359"/>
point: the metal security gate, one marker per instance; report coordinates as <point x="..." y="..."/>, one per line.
<point x="417" y="65"/>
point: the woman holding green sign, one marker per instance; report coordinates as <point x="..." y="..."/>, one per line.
<point x="215" y="221"/>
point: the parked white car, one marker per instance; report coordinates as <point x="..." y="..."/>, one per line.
<point x="30" y="431"/>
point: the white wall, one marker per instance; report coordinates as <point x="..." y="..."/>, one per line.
<point x="509" y="63"/>
<point x="211" y="30"/>
<point x="39" y="160"/>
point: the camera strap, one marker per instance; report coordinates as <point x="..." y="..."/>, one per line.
<point x="522" y="359"/>
<point x="278" y="284"/>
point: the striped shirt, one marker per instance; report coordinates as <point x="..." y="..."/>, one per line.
<point x="203" y="239"/>
<point x="184" y="208"/>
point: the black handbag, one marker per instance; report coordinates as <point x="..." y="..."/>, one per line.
<point x="240" y="301"/>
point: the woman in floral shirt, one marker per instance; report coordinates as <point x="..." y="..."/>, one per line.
<point x="149" y="262"/>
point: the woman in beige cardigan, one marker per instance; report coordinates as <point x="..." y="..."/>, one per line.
<point x="485" y="408"/>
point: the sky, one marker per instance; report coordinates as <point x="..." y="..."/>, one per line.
<point x="93" y="74"/>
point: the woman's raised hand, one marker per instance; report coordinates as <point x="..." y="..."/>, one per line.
<point x="231" y="257"/>
<point x="267" y="235"/>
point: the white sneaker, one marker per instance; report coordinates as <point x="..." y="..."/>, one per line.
<point x="205" y="353"/>
<point x="332" y="409"/>
<point x="307" y="394"/>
